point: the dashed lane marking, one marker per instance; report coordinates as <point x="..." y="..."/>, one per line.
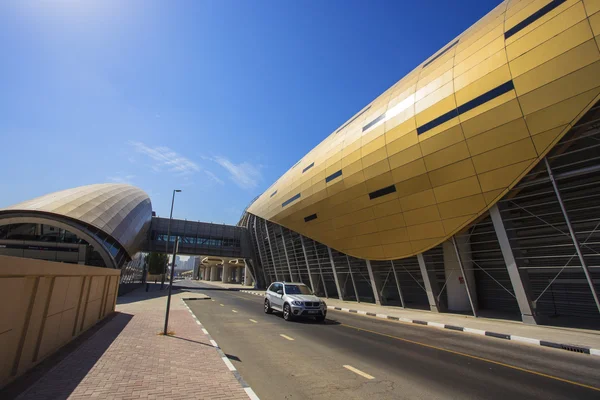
<point x="205" y="331"/>
<point x="253" y="321"/>
<point x="222" y="305"/>
<point x="286" y="337"/>
<point x="359" y="372"/>
<point x="234" y="311"/>
<point x="214" y="343"/>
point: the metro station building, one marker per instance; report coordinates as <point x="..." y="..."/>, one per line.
<point x="472" y="185"/>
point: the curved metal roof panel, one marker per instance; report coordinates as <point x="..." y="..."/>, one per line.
<point x="123" y="212"/>
<point x="435" y="151"/>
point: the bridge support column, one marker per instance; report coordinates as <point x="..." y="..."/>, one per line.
<point x="226" y="275"/>
<point x="238" y="276"/>
<point x="247" y="277"/>
<point x="214" y="273"/>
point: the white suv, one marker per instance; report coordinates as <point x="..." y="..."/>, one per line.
<point x="294" y="300"/>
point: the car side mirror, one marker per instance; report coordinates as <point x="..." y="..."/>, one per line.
<point x="280" y="292"/>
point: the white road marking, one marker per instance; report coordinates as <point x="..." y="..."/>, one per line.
<point x="212" y="299"/>
<point x="234" y="311"/>
<point x="286" y="337"/>
<point x="214" y="343"/>
<point x="222" y="305"/>
<point x="251" y="394"/>
<point x="205" y="331"/>
<point x="253" y="321"/>
<point x="436" y="324"/>
<point x="228" y="363"/>
<point x="475" y="331"/>
<point x="198" y="322"/>
<point x="524" y="339"/>
<point x="359" y="372"/>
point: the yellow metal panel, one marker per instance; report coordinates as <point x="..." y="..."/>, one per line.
<point x="492" y="118"/>
<point x="482" y="42"/>
<point x="464" y="206"/>
<point x="502" y="177"/>
<point x="379" y="182"/>
<point x="374" y="157"/>
<point x="568" y="86"/>
<point x="497" y="137"/>
<point x="452" y="172"/>
<point x="441" y="140"/>
<point x="427" y="86"/>
<point x="373" y="134"/>
<point x="557" y="33"/>
<point x="376" y="169"/>
<point x="490" y="105"/>
<point x="409" y="170"/>
<point x="436" y="104"/>
<point x="372" y="146"/>
<point x="419" y="246"/>
<point x="350" y="158"/>
<point x="591" y="6"/>
<point x="387" y="208"/>
<point x="421" y="215"/>
<point x="447" y="156"/>
<point x="400" y="131"/>
<point x="360" y="202"/>
<point x="559" y="114"/>
<point x="334" y="167"/>
<point x="542" y="140"/>
<point x="371" y="239"/>
<point x="366" y="227"/>
<point x="456" y="190"/>
<point x="351" y="169"/>
<point x="354" y="179"/>
<point x="595" y="23"/>
<point x="351" y="144"/>
<point x="390" y="250"/>
<point x="477" y="66"/>
<point x="373" y="252"/>
<point x="417" y="200"/>
<point x="440" y="128"/>
<point x="426" y="231"/>
<point x="526" y="12"/>
<point x="505" y="155"/>
<point x="483" y="85"/>
<point x="390" y="222"/>
<point x="451" y="225"/>
<point x="491" y="196"/>
<point x="334" y="159"/>
<point x="405" y="156"/>
<point x="411" y="186"/>
<point x="402" y="143"/>
<point x="398" y="235"/>
<point x="335" y="188"/>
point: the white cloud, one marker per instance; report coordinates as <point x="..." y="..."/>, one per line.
<point x="245" y="175"/>
<point x="128" y="179"/>
<point x="213" y="177"/>
<point x="164" y="157"/>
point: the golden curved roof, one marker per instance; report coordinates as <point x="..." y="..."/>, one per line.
<point x="123" y="212"/>
<point x="441" y="146"/>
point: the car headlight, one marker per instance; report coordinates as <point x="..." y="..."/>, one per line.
<point x="297" y="303"/>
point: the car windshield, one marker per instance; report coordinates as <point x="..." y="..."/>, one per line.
<point x="297" y="289"/>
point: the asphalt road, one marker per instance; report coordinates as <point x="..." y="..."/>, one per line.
<point x="358" y="357"/>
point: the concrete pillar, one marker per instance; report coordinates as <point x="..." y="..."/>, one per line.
<point x="457" y="281"/>
<point x="226" y="275"/>
<point x="214" y="273"/>
<point x="431" y="285"/>
<point x="247" y="277"/>
<point x="335" y="275"/>
<point x="240" y="272"/>
<point x="374" y="283"/>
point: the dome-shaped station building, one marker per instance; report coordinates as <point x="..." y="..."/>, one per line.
<point x="471" y="184"/>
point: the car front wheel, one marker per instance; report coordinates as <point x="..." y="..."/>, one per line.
<point x="287" y="312"/>
<point x="268" y="309"/>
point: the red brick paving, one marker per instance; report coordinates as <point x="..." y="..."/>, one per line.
<point x="128" y="359"/>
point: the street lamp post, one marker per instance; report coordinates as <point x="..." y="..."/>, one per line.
<point x="175" y="248"/>
<point x="162" y="282"/>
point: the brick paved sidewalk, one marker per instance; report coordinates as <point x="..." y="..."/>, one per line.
<point x="128" y="359"/>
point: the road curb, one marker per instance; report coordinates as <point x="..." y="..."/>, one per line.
<point x="224" y="357"/>
<point x="505" y="336"/>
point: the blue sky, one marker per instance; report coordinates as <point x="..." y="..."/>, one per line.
<point x="217" y="98"/>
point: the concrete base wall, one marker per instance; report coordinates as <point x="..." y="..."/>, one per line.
<point x="45" y="305"/>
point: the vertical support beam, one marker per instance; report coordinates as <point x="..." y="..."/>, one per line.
<point x="468" y="283"/>
<point x="335" y="276"/>
<point x="320" y="270"/>
<point x="584" y="266"/>
<point x="397" y="284"/>
<point x="522" y="292"/>
<point x="312" y="285"/>
<point x="262" y="262"/>
<point x="431" y="284"/>
<point x="271" y="248"/>
<point x="287" y="259"/>
<point x="352" y="278"/>
<point x="373" y="284"/>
